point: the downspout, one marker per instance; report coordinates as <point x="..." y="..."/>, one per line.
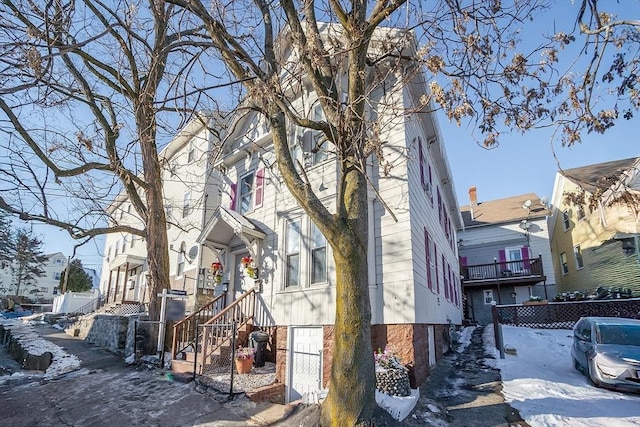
<point x="371" y="249"/>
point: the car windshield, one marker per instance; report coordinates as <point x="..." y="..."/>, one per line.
<point x="619" y="334"/>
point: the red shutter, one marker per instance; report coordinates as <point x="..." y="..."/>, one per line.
<point x="259" y="193"/>
<point x="430" y="182"/>
<point x="445" y="277"/>
<point x="525" y="257"/>
<point x="435" y="259"/>
<point x="232" y="194"/>
<point x="421" y="156"/>
<point x="427" y="251"/>
<point x="503" y="258"/>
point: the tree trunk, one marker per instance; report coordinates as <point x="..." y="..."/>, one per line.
<point x="157" y="241"/>
<point x="351" y="397"/>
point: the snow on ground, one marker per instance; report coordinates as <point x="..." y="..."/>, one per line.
<point x="22" y="330"/>
<point x="542" y="384"/>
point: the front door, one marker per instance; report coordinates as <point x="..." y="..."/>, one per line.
<point x="305" y="364"/>
<point x="240" y="280"/>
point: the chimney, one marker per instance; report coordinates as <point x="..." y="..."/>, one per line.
<point x="473" y="200"/>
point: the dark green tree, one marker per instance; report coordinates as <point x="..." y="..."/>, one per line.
<point x="28" y="261"/>
<point x="78" y="280"/>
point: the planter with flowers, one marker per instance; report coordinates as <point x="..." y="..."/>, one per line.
<point x="392" y="378"/>
<point x="244" y="359"/>
<point x="249" y="266"/>
<point x="217" y="270"/>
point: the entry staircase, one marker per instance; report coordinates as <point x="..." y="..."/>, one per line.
<point x="204" y="337"/>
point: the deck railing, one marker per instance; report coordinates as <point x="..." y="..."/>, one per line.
<point x="498" y="270"/>
<point x="184" y="331"/>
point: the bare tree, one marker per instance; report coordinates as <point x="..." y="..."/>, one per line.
<point x="470" y="51"/>
<point x="85" y="87"/>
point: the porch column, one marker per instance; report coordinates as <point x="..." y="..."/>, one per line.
<point x="109" y="286"/>
<point x="126" y="277"/>
<point x="115" y="291"/>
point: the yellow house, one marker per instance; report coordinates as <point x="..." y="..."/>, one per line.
<point x="595" y="227"/>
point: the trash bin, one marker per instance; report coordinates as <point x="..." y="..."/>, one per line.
<point x="258" y="341"/>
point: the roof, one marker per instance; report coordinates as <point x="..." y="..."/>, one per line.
<point x="500" y="211"/>
<point x="589" y="177"/>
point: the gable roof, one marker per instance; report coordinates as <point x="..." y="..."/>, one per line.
<point x="591" y="177"/>
<point x="503" y="210"/>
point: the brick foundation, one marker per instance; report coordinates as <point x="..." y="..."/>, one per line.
<point x="409" y="341"/>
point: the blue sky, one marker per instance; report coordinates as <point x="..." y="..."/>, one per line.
<point x="520" y="164"/>
<point x="525" y="163"/>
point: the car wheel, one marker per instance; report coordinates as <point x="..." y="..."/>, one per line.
<point x="577" y="365"/>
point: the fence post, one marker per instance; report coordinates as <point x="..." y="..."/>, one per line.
<point x="496" y="322"/>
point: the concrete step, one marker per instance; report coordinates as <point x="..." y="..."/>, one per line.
<point x="182" y="367"/>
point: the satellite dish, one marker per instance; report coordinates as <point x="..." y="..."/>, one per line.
<point x="527" y="204"/>
<point x="193" y="252"/>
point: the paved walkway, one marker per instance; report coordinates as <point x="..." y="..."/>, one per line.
<point x="106" y="392"/>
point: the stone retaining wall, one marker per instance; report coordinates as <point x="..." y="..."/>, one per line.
<point x="107" y="331"/>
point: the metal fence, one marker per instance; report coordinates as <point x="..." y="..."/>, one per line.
<point x="216" y="361"/>
<point x="563" y="315"/>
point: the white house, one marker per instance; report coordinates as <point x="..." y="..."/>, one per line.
<point x="240" y="220"/>
<point x="42" y="288"/>
<point x="191" y="194"/>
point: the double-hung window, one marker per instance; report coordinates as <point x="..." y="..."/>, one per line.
<point x="577" y="252"/>
<point x="563" y="263"/>
<point x="565" y="220"/>
<point x="187" y="204"/>
<point x="292" y="253"/>
<point x="246" y="194"/>
<point x="318" y="256"/>
<point x="250" y="194"/>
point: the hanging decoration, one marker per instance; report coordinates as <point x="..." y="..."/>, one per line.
<point x="217" y="270"/>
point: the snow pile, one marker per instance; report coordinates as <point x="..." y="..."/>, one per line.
<point x="30" y="341"/>
<point x="542" y="384"/>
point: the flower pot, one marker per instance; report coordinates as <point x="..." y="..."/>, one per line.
<point x="243" y="366"/>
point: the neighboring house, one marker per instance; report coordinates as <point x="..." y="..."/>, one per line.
<point x="41" y="289"/>
<point x="504" y="253"/>
<point x="191" y="196"/>
<point x="597" y="246"/>
<point x="240" y="218"/>
<point x="49" y="284"/>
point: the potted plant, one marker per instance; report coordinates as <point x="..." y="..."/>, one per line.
<point x="217" y="269"/>
<point x="249" y="266"/>
<point x="392" y="377"/>
<point x="244" y="359"/>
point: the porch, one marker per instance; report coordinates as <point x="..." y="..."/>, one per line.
<point x="526" y="272"/>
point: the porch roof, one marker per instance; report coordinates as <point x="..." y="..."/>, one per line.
<point x="226" y="223"/>
<point x="126" y="259"/>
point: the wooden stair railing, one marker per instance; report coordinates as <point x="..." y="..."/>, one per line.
<point x="184" y="331"/>
<point x="218" y="331"/>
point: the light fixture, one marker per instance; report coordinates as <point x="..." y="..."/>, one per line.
<point x="513" y="295"/>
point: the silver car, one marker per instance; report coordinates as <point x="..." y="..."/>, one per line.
<point x="607" y="350"/>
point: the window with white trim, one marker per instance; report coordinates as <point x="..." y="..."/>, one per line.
<point x="566" y="223"/>
<point x="318" y="256"/>
<point x="292" y="254"/>
<point x="580" y="215"/>
<point x="57" y="275"/>
<point x="487" y="296"/>
<point x="577" y="254"/>
<point x="186" y="207"/>
<point x="246" y="194"/>
<point x="191" y="156"/>
<point x="180" y="264"/>
<point x="563" y="263"/>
